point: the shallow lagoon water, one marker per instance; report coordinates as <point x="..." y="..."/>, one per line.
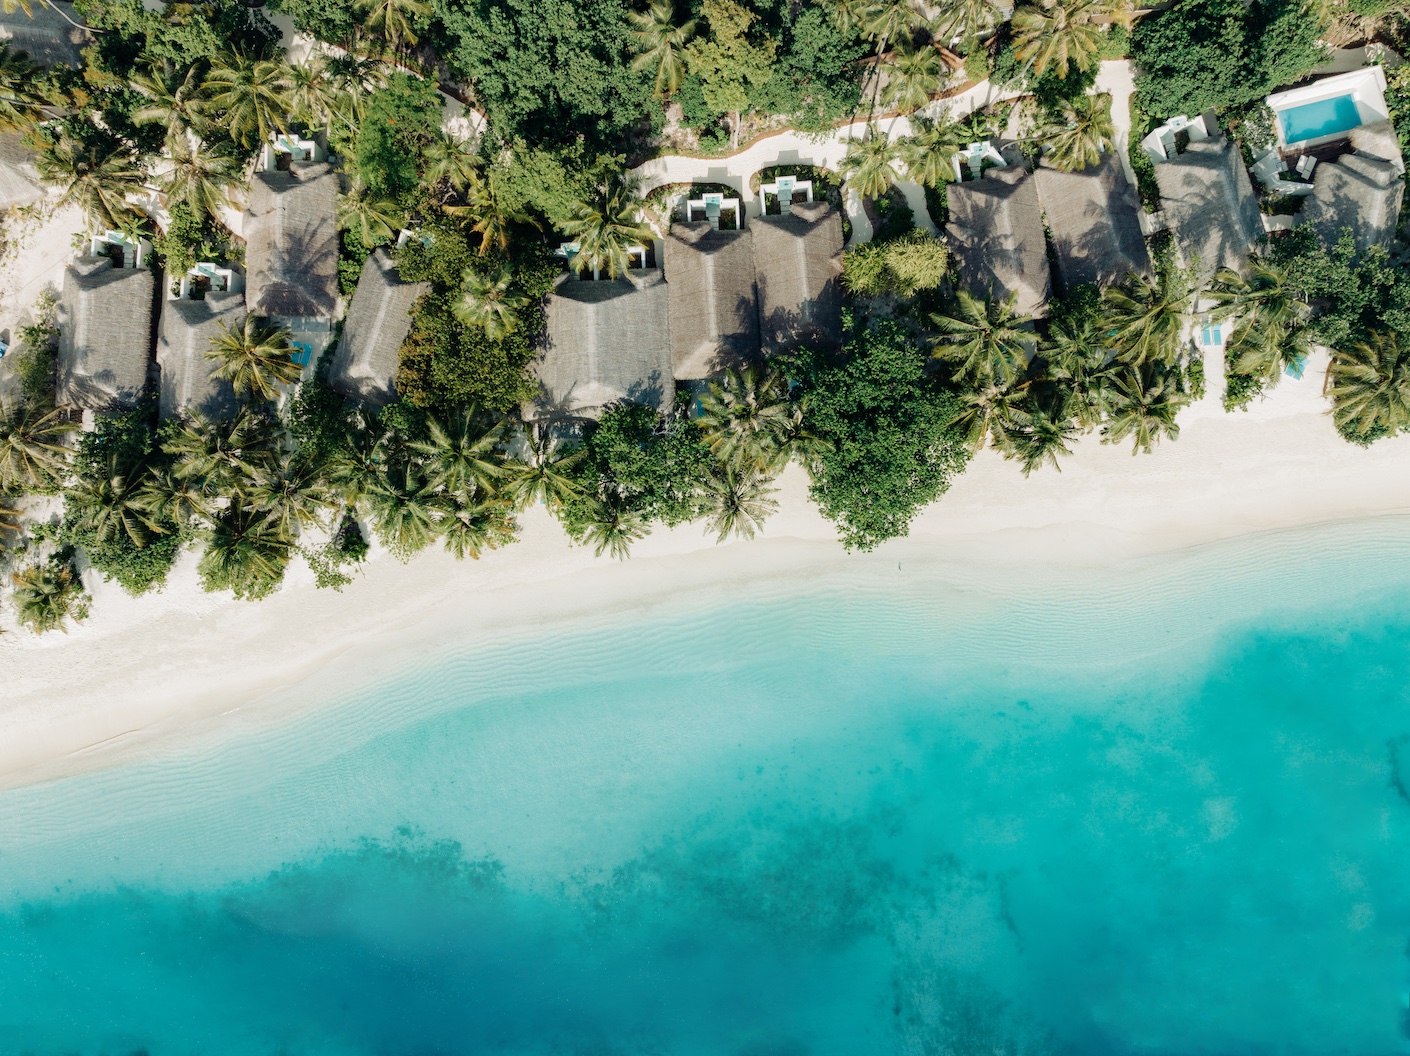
<point x="1160" y="808"/>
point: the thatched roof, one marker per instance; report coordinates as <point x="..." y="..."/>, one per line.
<point x="606" y="341"/>
<point x="1355" y="192"/>
<point x="188" y="374"/>
<point x="714" y="309"/>
<point x="292" y="235"/>
<point x="19" y="179"/>
<point x="996" y="233"/>
<point x="1209" y="202"/>
<point x="798" y="260"/>
<point x="46" y="36"/>
<point x="1092" y="217"/>
<point x="365" y="363"/>
<point x="1378" y="140"/>
<point x="105" y="334"/>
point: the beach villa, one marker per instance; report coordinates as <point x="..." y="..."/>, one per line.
<point x="996" y="234"/>
<point x="105" y="332"/>
<point x="291" y="233"/>
<point x="606" y="340"/>
<point x="188" y="381"/>
<point x="379" y="318"/>
<point x="45" y="34"/>
<point x="1092" y="217"/>
<point x="1209" y="202"/>
<point x="714" y="315"/>
<point x="798" y="269"/>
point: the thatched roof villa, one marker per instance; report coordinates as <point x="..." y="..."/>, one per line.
<point x="1092" y="217"/>
<point x="379" y="318"/>
<point x="1209" y="202"/>
<point x="105" y="334"/>
<point x="1360" y="191"/>
<point x="291" y="230"/>
<point x="713" y="304"/>
<point x="45" y="34"/>
<point x="798" y="264"/>
<point x="188" y="375"/>
<point x="996" y="234"/>
<point x="606" y="340"/>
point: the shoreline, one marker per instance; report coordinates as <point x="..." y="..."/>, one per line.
<point x="165" y="671"/>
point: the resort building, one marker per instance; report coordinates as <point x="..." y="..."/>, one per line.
<point x="798" y="264"/>
<point x="996" y="235"/>
<point x="1355" y="193"/>
<point x="1092" y="217"/>
<point x="713" y="303"/>
<point x="1327" y="110"/>
<point x="379" y="318"/>
<point x="188" y="381"/>
<point x="45" y="35"/>
<point x="607" y="340"/>
<point x="105" y="334"/>
<point x="291" y="261"/>
<point x="1210" y="205"/>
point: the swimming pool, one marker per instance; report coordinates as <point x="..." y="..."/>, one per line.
<point x="1326" y="117"/>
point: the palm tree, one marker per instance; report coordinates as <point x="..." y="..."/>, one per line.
<point x="9" y="520"/>
<point x="223" y="458"/>
<point x="246" y="552"/>
<point x="452" y="161"/>
<point x="983" y="338"/>
<point x="316" y="95"/>
<point x="374" y="217"/>
<point x="405" y="509"/>
<point x="1143" y="402"/>
<point x="1145" y="319"/>
<point x="661" y="44"/>
<point x="96" y="177"/>
<point x="249" y="97"/>
<point x="547" y="475"/>
<point x="608" y="226"/>
<point x="173" y="99"/>
<point x="1077" y="360"/>
<point x="490" y="217"/>
<point x="869" y="163"/>
<point x="1037" y="435"/>
<point x="1059" y="34"/>
<point x="32" y="448"/>
<point x="21" y="91"/>
<point x="201" y="177"/>
<point x="293" y="494"/>
<point x="963" y="20"/>
<point x="1269" y="320"/>
<point x="847" y="15"/>
<point x="489" y="300"/>
<point x="886" y="21"/>
<point x="169" y="496"/>
<point x="394" y="19"/>
<point x="611" y="528"/>
<point x="911" y="76"/>
<point x="929" y="152"/>
<point x="255" y="359"/>
<point x="355" y="466"/>
<point x="470" y="529"/>
<point x="745" y="416"/>
<point x="47" y="596"/>
<point x="1370" y="387"/>
<point x="741" y="503"/>
<point x="989" y="412"/>
<point x="1080" y="134"/>
<point x="464" y="458"/>
<point x="110" y="505"/>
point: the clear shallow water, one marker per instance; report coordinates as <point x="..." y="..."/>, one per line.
<point x="1163" y="810"/>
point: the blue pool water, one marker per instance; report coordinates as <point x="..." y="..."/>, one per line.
<point x="1326" y="117"/>
<point x="1161" y="808"/>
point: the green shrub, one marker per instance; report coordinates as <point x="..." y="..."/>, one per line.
<point x="894" y="216"/>
<point x="400" y="121"/>
<point x="1240" y="390"/>
<point x="189" y="238"/>
<point x="905" y="266"/>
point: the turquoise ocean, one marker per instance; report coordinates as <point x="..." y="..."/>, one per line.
<point x="1158" y="807"/>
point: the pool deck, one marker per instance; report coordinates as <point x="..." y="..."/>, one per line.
<point x="1366" y="87"/>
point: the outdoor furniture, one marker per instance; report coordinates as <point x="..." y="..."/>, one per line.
<point x="1305" y="165"/>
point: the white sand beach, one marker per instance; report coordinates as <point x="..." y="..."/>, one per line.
<point x="146" y="673"/>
